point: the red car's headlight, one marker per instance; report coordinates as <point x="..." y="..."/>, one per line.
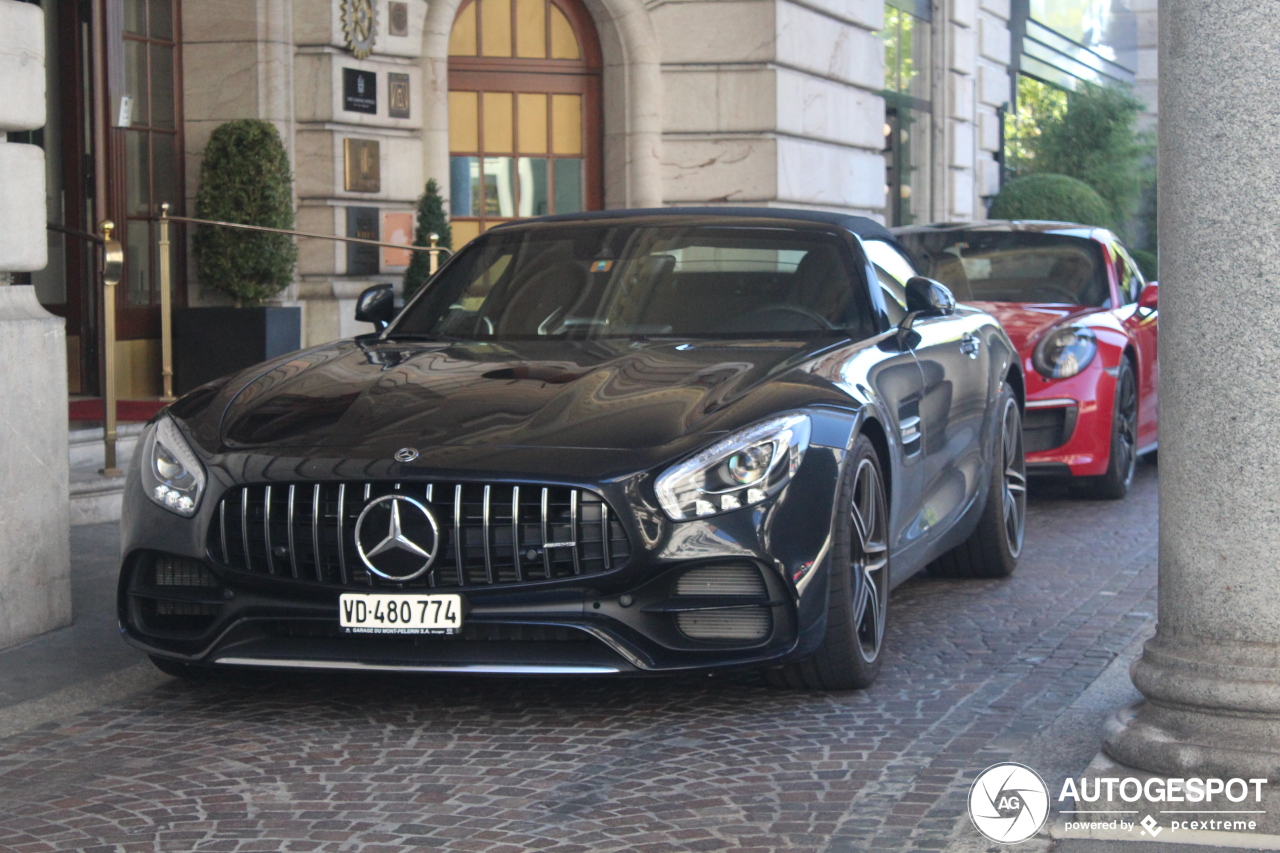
<point x="1064" y="352"/>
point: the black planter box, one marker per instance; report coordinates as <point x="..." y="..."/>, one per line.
<point x="212" y="342"/>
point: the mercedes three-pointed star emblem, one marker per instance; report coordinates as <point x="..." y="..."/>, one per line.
<point x="403" y="549"/>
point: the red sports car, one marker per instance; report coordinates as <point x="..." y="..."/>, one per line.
<point x="1084" y="322"/>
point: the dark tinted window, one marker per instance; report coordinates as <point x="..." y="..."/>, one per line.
<point x="1019" y="266"/>
<point x="607" y="280"/>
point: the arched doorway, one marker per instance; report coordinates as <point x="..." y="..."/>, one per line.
<point x="524" y="112"/>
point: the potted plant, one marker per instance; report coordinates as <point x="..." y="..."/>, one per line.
<point x="244" y="179"/>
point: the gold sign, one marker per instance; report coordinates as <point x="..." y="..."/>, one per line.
<point x="363" y="159"/>
<point x="398" y="97"/>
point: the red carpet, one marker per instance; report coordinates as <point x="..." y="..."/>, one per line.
<point x="126" y="410"/>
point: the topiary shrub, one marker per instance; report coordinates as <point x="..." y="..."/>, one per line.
<point x="1055" y="197"/>
<point x="245" y="179"/>
<point x="431" y="219"/>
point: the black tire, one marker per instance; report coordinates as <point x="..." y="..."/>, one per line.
<point x="992" y="550"/>
<point x="858" y="594"/>
<point x="1123" y="459"/>
<point x="178" y="669"/>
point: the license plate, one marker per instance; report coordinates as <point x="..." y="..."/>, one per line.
<point x="368" y="613"/>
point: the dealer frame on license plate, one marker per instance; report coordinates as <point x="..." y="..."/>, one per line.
<point x="400" y="613"/>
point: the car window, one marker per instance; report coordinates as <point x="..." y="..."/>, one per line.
<point x="1016" y="266"/>
<point x="893" y="271"/>
<point x="1127" y="275"/>
<point x="606" y="279"/>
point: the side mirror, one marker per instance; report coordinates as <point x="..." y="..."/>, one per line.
<point x="1149" y="298"/>
<point x="929" y="298"/>
<point x="376" y="305"/>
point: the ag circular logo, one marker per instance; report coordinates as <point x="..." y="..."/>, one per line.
<point x="1008" y="802"/>
<point x="406" y="454"/>
<point x="397" y="537"/>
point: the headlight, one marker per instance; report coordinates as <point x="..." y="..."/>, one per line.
<point x="741" y="470"/>
<point x="1064" y="352"/>
<point x="171" y="474"/>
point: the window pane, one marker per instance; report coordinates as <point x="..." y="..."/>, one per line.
<point x="462" y="41"/>
<point x="531" y="28"/>
<point x="460" y="191"/>
<point x="137" y="171"/>
<point x="135" y="17"/>
<point x="164" y="162"/>
<point x="464" y="121"/>
<point x="566" y="124"/>
<point x="568" y="186"/>
<point x="499" y="186"/>
<point x="495" y="27"/>
<point x="564" y="44"/>
<point x="162" y="19"/>
<point x="534" y="199"/>
<point x="137" y="249"/>
<point x="161" y="86"/>
<point x="499" y="124"/>
<point x="135" y="79"/>
<point x="533" y="123"/>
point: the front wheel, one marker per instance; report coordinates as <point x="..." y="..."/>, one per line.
<point x="858" y="593"/>
<point x="992" y="550"/>
<point x="1123" y="460"/>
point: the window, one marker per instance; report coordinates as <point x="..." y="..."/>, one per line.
<point x="1128" y="277"/>
<point x="607" y="281"/>
<point x="908" y="58"/>
<point x="524" y="113"/>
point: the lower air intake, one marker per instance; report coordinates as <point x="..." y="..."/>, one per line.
<point x="737" y="623"/>
<point x="722" y="580"/>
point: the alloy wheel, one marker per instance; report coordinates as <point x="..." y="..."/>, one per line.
<point x="1126" y="446"/>
<point x="870" y="564"/>
<point x="1014" y="481"/>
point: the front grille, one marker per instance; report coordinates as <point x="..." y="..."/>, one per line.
<point x="490" y="533"/>
<point x="1047" y="428"/>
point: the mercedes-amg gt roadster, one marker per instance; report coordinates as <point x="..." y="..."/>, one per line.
<point x="621" y="442"/>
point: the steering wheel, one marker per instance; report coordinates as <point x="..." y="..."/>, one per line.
<point x="777" y="308"/>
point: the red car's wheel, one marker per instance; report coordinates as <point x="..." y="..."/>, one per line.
<point x="1114" y="484"/>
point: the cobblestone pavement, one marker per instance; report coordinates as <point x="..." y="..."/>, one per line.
<point x="974" y="671"/>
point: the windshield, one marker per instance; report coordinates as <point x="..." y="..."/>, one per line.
<point x="606" y="280"/>
<point x="1019" y="266"/>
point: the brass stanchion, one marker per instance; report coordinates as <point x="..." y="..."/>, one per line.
<point x="112" y="265"/>
<point x="166" y="306"/>
<point x="433" y="253"/>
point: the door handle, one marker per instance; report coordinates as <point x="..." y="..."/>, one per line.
<point x="970" y="344"/>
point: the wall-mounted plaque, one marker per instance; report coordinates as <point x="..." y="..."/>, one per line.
<point x="397" y="228"/>
<point x="362" y="159"/>
<point x="362" y="223"/>
<point x="359" y="91"/>
<point x="398" y="95"/>
<point x="398" y="15"/>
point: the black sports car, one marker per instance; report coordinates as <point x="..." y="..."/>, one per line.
<point x="634" y="441"/>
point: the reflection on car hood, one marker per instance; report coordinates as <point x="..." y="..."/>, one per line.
<point x="1026" y="322"/>
<point x="549" y="394"/>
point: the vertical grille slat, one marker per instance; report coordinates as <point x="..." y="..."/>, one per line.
<point x="548" y="533"/>
<point x="293" y="551"/>
<point x="342" y="534"/>
<point x="315" y="533"/>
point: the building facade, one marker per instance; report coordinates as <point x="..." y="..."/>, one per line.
<point x="517" y="108"/>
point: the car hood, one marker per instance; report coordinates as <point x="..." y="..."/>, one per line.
<point x="617" y="395"/>
<point x="1026" y="322"/>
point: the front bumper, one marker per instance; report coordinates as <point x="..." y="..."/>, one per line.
<point x="626" y="619"/>
<point x="1068" y="422"/>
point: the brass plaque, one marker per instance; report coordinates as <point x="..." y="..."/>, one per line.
<point x="399" y="15"/>
<point x="363" y="160"/>
<point x="398" y="96"/>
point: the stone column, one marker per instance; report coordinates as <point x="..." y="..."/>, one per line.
<point x="35" y="586"/>
<point x="1211" y="675"/>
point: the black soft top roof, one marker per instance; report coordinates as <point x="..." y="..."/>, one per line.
<point x="867" y="229"/>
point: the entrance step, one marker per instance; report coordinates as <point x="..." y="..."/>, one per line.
<point x="95" y="498"/>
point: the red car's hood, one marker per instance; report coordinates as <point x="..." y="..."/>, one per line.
<point x="1027" y="322"/>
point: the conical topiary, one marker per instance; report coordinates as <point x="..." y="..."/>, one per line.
<point x="431" y="220"/>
